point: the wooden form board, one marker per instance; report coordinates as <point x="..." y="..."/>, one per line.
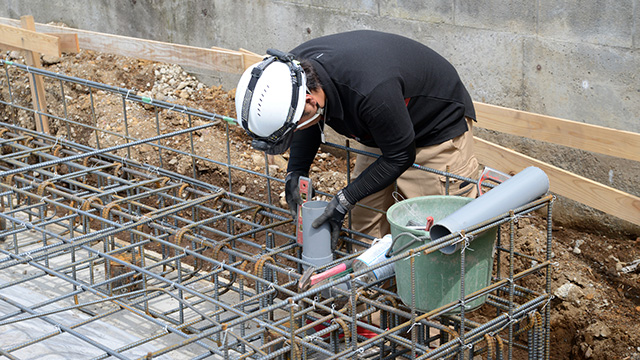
<point x="68" y="43"/>
<point x="603" y="140"/>
<point x="201" y="58"/>
<point x="250" y="57"/>
<point x="575" y="187"/>
<point x="16" y="37"/>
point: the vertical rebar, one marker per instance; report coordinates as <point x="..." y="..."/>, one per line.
<point x="547" y="311"/>
<point x="511" y="281"/>
<point x="354" y="317"/>
<point x="157" y="118"/>
<point x="412" y="261"/>
<point x="94" y="121"/>
<point x="463" y="252"/>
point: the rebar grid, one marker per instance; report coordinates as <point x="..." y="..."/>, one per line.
<point x="107" y="257"/>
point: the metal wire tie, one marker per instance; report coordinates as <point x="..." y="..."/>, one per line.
<point x="466" y="240"/>
<point x="466" y="346"/>
<point x="551" y="297"/>
<point x="411" y="327"/>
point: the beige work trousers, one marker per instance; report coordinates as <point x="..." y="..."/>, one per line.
<point x="457" y="153"/>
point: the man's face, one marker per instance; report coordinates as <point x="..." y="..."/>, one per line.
<point x="311" y="106"/>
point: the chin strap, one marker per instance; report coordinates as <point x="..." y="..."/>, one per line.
<point x="319" y="112"/>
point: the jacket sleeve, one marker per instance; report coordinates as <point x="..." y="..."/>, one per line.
<point x="303" y="149"/>
<point x="385" y="116"/>
<point x="382" y="173"/>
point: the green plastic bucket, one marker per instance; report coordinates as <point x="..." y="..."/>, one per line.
<point x="437" y="275"/>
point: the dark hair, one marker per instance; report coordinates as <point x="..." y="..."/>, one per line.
<point x="313" y="81"/>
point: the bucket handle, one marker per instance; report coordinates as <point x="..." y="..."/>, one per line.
<point x="414" y="239"/>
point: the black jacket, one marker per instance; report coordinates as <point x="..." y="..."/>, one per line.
<point x="385" y="91"/>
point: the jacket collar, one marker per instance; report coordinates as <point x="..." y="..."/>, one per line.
<point x="333" y="105"/>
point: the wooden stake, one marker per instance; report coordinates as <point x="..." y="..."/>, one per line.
<point x="36" y="84"/>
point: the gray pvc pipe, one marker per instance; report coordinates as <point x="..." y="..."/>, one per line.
<point x="519" y="190"/>
<point x="316" y="243"/>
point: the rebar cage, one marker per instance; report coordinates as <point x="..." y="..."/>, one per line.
<point x="104" y="256"/>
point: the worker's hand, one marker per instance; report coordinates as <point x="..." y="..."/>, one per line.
<point x="334" y="214"/>
<point x="292" y="191"/>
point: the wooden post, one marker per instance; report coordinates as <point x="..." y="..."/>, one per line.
<point x="36" y="84"/>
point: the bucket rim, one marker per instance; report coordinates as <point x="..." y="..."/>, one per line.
<point x="395" y="206"/>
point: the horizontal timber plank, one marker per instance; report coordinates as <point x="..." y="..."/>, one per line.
<point x="16" y="37"/>
<point x="201" y="58"/>
<point x="68" y="44"/>
<point x="599" y="139"/>
<point x="591" y="193"/>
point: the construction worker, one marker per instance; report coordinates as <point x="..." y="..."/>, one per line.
<point x="392" y="94"/>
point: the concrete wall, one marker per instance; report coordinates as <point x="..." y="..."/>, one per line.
<point x="574" y="60"/>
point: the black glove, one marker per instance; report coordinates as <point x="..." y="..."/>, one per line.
<point x="334" y="214"/>
<point x="292" y="191"/>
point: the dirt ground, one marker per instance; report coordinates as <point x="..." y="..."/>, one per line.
<point x="596" y="307"/>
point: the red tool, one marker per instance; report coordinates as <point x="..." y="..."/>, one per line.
<point x="306" y="190"/>
<point x="308" y="280"/>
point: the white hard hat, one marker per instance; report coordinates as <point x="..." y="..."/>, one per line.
<point x="270" y="99"/>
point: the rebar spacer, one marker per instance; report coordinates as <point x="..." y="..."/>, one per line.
<point x="295" y="349"/>
<point x="163" y="181"/>
<point x="181" y="233"/>
<point x="181" y="192"/>
<point x="117" y="169"/>
<point x="107" y="208"/>
<point x="218" y="248"/>
<point x="500" y="344"/>
<point x="9" y="178"/>
<point x="27" y="140"/>
<point x="345" y="328"/>
<point x="259" y="267"/>
<point x="538" y="316"/>
<point x="242" y="268"/>
<point x="85" y="161"/>
<point x="57" y="149"/>
<point x="87" y="203"/>
<point x="490" y="344"/>
<point x="217" y="199"/>
<point x="141" y="226"/>
<point x="256" y="213"/>
<point x="73" y="204"/>
<point x="42" y="187"/>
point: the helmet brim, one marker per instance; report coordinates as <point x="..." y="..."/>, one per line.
<point x="274" y="148"/>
